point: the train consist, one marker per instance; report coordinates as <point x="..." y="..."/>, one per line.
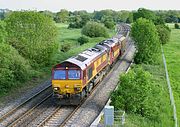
<point x="74" y="78"/>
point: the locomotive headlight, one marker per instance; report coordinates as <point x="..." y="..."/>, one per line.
<point x="56" y="88"/>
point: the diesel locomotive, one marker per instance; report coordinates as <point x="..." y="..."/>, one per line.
<point x="75" y="77"/>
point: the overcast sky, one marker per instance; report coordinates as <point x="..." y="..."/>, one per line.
<point x="89" y="5"/>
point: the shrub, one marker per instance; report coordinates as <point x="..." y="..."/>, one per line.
<point x="109" y="24"/>
<point x="94" y="29"/>
<point x="33" y="35"/>
<point x="13" y="67"/>
<point x="65" y="47"/>
<point x="176" y="26"/>
<point x="82" y="40"/>
<point x="146" y="40"/>
<point x="164" y="33"/>
<point x="137" y="94"/>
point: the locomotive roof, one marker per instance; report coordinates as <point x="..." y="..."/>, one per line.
<point x="85" y="58"/>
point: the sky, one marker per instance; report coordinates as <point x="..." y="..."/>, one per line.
<point x="89" y="5"/>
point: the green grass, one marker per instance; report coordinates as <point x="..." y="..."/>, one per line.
<point x="70" y="36"/>
<point x="172" y="54"/>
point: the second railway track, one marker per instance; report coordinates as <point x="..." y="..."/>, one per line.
<point x="12" y="115"/>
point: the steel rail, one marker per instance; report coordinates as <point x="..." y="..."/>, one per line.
<point x="6" y="115"/>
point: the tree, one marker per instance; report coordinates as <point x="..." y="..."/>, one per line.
<point x="33" y="35"/>
<point x="144" y="13"/>
<point x="108" y="22"/>
<point x="62" y="16"/>
<point x="146" y="40"/>
<point x="78" y="21"/>
<point x="130" y="18"/>
<point x="99" y="14"/>
<point x="137" y="94"/>
<point x="94" y="29"/>
<point x="3" y="32"/>
<point x="164" y="33"/>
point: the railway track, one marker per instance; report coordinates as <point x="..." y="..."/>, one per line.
<point x="12" y="115"/>
<point x="62" y="114"/>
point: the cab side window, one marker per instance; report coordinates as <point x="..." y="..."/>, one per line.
<point x="90" y="73"/>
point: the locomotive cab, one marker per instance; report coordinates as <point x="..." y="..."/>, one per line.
<point x="66" y="80"/>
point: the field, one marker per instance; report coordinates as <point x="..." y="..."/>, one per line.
<point x="172" y="54"/>
<point x="70" y="36"/>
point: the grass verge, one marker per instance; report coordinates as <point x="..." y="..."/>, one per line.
<point x="172" y="54"/>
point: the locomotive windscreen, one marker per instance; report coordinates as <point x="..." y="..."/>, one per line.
<point x="59" y="74"/>
<point x="73" y="74"/>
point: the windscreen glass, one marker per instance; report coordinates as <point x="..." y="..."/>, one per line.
<point x="73" y="74"/>
<point x="59" y="74"/>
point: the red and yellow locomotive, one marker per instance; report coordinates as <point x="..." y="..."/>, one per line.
<point x="75" y="77"/>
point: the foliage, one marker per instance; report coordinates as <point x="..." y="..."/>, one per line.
<point x="13" y="67"/>
<point x="164" y="33"/>
<point x="176" y="26"/>
<point x="62" y="16"/>
<point x="33" y="35"/>
<point x="48" y="13"/>
<point x="82" y="40"/>
<point x="144" y="13"/>
<point x="108" y="22"/>
<point x="94" y="29"/>
<point x="78" y="21"/>
<point x="65" y="47"/>
<point x="3" y="32"/>
<point x="98" y="15"/>
<point x="130" y="18"/>
<point x="146" y="40"/>
<point x="137" y="94"/>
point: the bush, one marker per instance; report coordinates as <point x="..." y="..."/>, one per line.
<point x="137" y="94"/>
<point x="65" y="47"/>
<point x="109" y="24"/>
<point x="164" y="33"/>
<point x="13" y="67"/>
<point x="82" y="40"/>
<point x="33" y="35"/>
<point x="176" y="26"/>
<point x="146" y="40"/>
<point x="94" y="29"/>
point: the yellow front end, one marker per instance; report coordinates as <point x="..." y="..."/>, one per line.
<point x="64" y="87"/>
